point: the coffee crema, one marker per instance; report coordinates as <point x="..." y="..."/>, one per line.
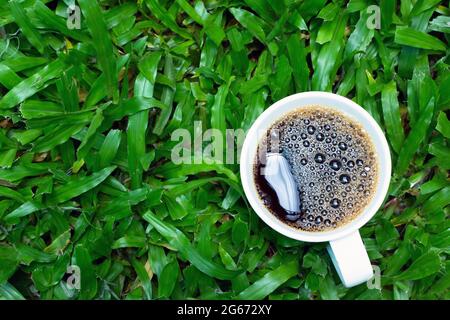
<point x="332" y="160"/>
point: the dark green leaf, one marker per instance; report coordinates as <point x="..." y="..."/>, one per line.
<point x="78" y="186"/>
<point x="425" y="265"/>
<point x="269" y="282"/>
<point x="417" y="39"/>
<point x="391" y="115"/>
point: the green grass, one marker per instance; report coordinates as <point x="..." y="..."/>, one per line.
<point x="85" y="123"/>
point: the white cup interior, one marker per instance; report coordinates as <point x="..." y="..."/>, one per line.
<point x="290" y="103"/>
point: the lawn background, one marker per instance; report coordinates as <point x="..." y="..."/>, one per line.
<point x="85" y="122"/>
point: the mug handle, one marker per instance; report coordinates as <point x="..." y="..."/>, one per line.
<point x="350" y="259"/>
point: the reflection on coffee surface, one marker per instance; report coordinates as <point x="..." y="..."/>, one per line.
<point x="332" y="161"/>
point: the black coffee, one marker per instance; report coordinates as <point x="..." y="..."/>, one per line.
<point x="333" y="163"/>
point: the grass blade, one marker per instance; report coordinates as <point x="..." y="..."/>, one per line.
<point x="418" y="39"/>
<point x="415" y="138"/>
<point x="88" y="281"/>
<point x="52" y="21"/>
<point x="8" y="292"/>
<point x="55" y="137"/>
<point x="166" y="97"/>
<point x="269" y="282"/>
<point x="79" y="186"/>
<point x="321" y="79"/>
<point x="109" y="148"/>
<point x="158" y="10"/>
<point x="11" y="194"/>
<point x="190" y="11"/>
<point x="26" y="26"/>
<point x="137" y="123"/>
<point x="8" y="78"/>
<point x="25" y="209"/>
<point x="297" y="58"/>
<point x="251" y="22"/>
<point x="443" y="125"/>
<point x="32" y="85"/>
<point x="103" y="44"/>
<point x="143" y="277"/>
<point x="438" y="201"/>
<point x="168" y="279"/>
<point x="218" y="120"/>
<point x="391" y="114"/>
<point x="425" y="265"/>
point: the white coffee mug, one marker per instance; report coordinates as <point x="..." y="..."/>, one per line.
<point x="345" y="247"/>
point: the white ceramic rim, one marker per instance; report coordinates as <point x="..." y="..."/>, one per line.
<point x="325" y="99"/>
